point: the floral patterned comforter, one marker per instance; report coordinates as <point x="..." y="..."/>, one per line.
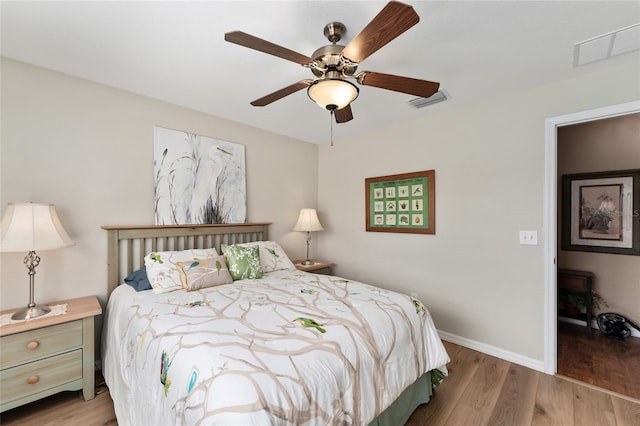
<point x="290" y="348"/>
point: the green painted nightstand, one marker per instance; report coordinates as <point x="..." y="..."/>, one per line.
<point x="48" y="355"/>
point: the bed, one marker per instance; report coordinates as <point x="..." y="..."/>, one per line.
<point x="287" y="347"/>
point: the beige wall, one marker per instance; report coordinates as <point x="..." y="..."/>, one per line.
<point x="478" y="282"/>
<point x="88" y="149"/>
<point x="598" y="146"/>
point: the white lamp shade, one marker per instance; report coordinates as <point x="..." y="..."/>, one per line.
<point x="32" y="226"/>
<point x="308" y="221"/>
<point x="331" y="91"/>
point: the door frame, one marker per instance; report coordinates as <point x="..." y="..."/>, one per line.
<point x="551" y="218"/>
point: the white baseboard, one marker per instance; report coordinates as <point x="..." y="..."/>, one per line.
<point x="594" y="324"/>
<point x="532" y="363"/>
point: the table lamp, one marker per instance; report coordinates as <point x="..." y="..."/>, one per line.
<point x="30" y="227"/>
<point x="308" y="222"/>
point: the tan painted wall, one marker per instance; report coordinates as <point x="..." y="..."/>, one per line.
<point x="598" y="146"/>
<point x="88" y="149"/>
<point x="489" y="158"/>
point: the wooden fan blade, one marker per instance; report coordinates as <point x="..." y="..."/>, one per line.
<point x="252" y="42"/>
<point x="279" y="94"/>
<point x="394" y="19"/>
<point x="343" y="115"/>
<point x="412" y="86"/>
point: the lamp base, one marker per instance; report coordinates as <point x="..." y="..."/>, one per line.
<point x="30" y="312"/>
<point x="308" y="262"/>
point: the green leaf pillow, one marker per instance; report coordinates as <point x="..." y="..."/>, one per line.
<point x="272" y="257"/>
<point x="243" y="262"/>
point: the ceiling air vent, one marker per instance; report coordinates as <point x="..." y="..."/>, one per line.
<point x="439" y="96"/>
<point x="605" y="46"/>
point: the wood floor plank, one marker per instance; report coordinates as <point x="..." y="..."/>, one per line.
<point x="554" y="402"/>
<point x="598" y="360"/>
<point x="592" y="407"/>
<point x="446" y="395"/>
<point x="65" y="408"/>
<point x="469" y="355"/>
<point x="627" y="412"/>
<point x="484" y="388"/>
<point x="451" y="348"/>
<point x="517" y="398"/>
<point x="467" y="416"/>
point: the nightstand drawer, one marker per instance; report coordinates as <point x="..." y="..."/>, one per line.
<point x="322" y="271"/>
<point x="37" y="376"/>
<point x="36" y="344"/>
<point x="572" y="282"/>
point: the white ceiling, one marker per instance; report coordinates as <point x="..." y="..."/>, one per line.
<point x="175" y="51"/>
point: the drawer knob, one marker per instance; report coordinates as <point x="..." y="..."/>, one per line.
<point x="33" y="379"/>
<point x="32" y="345"/>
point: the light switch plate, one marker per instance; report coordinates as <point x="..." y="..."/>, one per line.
<point x="529" y="238"/>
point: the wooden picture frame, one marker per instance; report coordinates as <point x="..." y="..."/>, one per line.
<point x="404" y="203"/>
<point x="601" y="212"/>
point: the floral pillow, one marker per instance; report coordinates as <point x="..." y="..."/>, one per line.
<point x="162" y="268"/>
<point x="243" y="262"/>
<point x="272" y="257"/>
<point x="197" y="274"/>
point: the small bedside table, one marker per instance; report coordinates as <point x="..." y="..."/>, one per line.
<point x="319" y="267"/>
<point x="578" y="281"/>
<point x="48" y="355"/>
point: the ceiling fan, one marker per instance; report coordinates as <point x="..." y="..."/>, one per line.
<point x="335" y="64"/>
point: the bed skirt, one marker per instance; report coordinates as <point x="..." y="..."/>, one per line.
<point x="399" y="412"/>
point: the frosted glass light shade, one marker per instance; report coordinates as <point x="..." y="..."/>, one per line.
<point x="308" y="221"/>
<point x="32" y="227"/>
<point x="332" y="91"/>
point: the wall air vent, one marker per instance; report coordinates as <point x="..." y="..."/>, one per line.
<point x="439" y="96"/>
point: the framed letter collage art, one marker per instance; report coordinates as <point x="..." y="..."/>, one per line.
<point x="403" y="203"/>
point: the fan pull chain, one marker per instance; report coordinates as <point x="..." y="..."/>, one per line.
<point x="331" y="124"/>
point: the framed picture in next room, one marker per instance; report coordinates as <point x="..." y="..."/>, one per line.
<point x="601" y="212"/>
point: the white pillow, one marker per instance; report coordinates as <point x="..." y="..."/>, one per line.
<point x="162" y="268"/>
<point x="272" y="257"/>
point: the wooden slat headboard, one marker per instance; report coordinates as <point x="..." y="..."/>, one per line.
<point x="128" y="245"/>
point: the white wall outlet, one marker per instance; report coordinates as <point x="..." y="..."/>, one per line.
<point x="529" y="238"/>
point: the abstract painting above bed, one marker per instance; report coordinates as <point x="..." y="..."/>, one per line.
<point x="290" y="348"/>
<point x="198" y="179"/>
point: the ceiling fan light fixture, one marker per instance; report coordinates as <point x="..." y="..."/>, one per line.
<point x="332" y="93"/>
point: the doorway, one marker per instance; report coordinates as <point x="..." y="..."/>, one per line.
<point x="550" y="220"/>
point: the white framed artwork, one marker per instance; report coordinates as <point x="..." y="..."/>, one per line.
<point x="197" y="179"/>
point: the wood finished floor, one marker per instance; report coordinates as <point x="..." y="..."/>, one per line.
<point x="598" y="360"/>
<point x="480" y="390"/>
<point x="483" y="390"/>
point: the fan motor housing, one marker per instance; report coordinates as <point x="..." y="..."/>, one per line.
<point x="328" y="58"/>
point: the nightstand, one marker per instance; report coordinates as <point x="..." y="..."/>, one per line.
<point x="319" y="267"/>
<point x="578" y="282"/>
<point x="48" y="355"/>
